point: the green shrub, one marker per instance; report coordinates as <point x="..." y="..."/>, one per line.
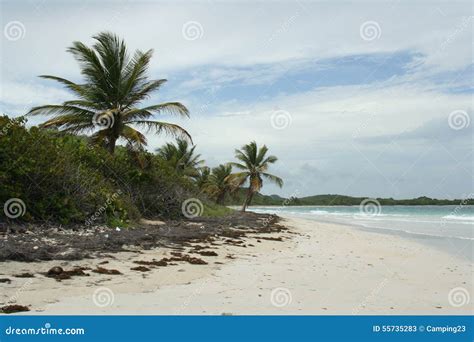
<point x="62" y="178"/>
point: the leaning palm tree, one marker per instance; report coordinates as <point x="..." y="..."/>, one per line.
<point x="221" y="183"/>
<point x="107" y="103"/>
<point x="254" y="165"/>
<point x="181" y="157"/>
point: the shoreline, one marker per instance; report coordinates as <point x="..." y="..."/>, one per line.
<point x="457" y="246"/>
<point x="318" y="268"/>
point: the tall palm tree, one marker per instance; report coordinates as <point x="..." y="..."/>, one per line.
<point x="107" y="102"/>
<point x="254" y="168"/>
<point x="221" y="183"/>
<point x="181" y="157"/>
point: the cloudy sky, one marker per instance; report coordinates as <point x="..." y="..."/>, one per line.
<point x="357" y="98"/>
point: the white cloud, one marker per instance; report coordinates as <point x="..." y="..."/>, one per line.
<point x="242" y="34"/>
<point x="256" y="43"/>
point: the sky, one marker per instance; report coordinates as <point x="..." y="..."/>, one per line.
<point x="362" y="98"/>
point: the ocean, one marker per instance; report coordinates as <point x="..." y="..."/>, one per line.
<point x="448" y="227"/>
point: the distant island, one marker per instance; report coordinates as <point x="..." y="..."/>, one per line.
<point x="333" y="200"/>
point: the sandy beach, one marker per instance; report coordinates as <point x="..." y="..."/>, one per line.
<point x="317" y="268"/>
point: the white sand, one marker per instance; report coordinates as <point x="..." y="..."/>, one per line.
<point x="322" y="269"/>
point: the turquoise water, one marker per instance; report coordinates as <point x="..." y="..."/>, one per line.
<point x="455" y="222"/>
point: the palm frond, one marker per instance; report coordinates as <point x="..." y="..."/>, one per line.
<point x="162" y="127"/>
<point x="277" y="180"/>
<point x="174" y="108"/>
<point x="239" y="166"/>
<point x="261" y="154"/>
<point x="133" y="136"/>
<point x="59" y="110"/>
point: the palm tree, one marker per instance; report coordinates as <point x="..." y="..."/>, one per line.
<point x="181" y="157"/>
<point x="254" y="166"/>
<point x="108" y="100"/>
<point x="221" y="183"/>
<point x="202" y="177"/>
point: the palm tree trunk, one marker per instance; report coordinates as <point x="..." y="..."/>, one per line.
<point x="248" y="200"/>
<point x="111" y="145"/>
<point x="220" y="198"/>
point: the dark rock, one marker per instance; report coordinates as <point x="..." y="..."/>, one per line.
<point x="59" y="273"/>
<point x="140" y="268"/>
<point x="56" y="270"/>
<point x="102" y="270"/>
<point x="24" y="275"/>
<point x="208" y="253"/>
<point x="8" y="309"/>
<point x="271" y="238"/>
<point x="151" y="263"/>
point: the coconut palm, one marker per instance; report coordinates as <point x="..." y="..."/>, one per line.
<point x="202" y="178"/>
<point x="221" y="183"/>
<point x="254" y="165"/>
<point x="108" y="100"/>
<point x="181" y="157"/>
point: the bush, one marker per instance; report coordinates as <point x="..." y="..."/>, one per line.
<point x="62" y="178"/>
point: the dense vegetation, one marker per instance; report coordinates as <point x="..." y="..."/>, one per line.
<point x="67" y="178"/>
<point x="61" y="177"/>
<point x="328" y="200"/>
